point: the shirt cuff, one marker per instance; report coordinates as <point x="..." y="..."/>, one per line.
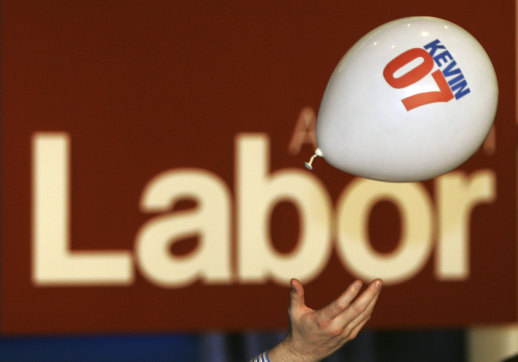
<point x="263" y="357"/>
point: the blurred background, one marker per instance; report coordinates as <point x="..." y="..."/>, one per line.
<point x="155" y="204"/>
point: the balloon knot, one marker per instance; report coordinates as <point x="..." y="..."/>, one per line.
<point x="309" y="164"/>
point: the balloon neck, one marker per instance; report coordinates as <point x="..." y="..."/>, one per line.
<point x="309" y="164"/>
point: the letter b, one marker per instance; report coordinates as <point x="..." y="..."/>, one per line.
<point x="257" y="194"/>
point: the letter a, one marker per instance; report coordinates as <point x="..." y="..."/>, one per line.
<point x="304" y="131"/>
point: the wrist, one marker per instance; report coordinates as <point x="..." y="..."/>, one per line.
<point x="288" y="351"/>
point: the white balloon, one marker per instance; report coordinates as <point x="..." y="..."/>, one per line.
<point x="411" y="100"/>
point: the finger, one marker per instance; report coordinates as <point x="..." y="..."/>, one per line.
<point x="341" y="303"/>
<point x="296" y="295"/>
<point x="360" y="305"/>
<point x="363" y="317"/>
<point x="356" y="325"/>
<point x="356" y="330"/>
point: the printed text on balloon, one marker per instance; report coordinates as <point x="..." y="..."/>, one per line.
<point x="446" y="88"/>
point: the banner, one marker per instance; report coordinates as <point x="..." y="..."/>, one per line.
<point x="153" y="173"/>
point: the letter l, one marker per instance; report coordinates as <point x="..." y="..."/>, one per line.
<point x="53" y="261"/>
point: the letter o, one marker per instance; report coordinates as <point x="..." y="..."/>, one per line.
<point x="414" y="248"/>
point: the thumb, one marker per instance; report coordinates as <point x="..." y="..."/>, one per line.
<point x="296" y="295"/>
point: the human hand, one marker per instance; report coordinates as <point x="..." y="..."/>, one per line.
<point x="316" y="334"/>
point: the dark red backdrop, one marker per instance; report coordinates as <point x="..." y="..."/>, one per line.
<point x="142" y="87"/>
